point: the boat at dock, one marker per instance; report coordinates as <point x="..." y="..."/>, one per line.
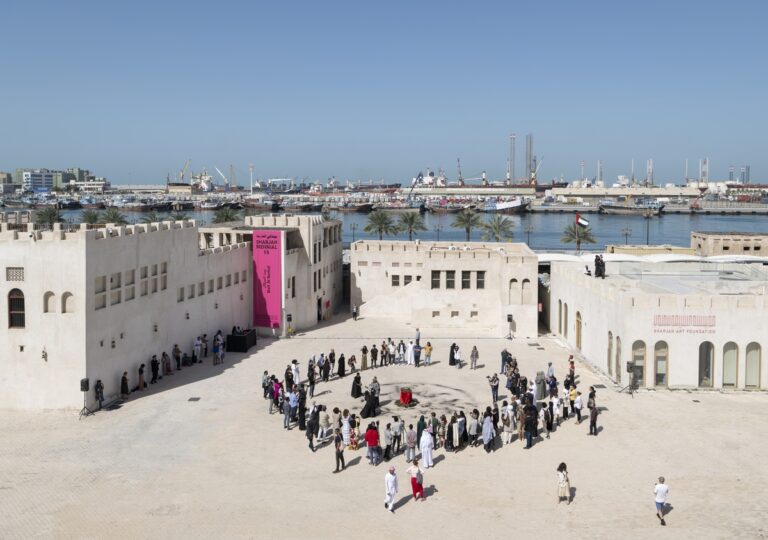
<point x="518" y="205"/>
<point x="630" y="206"/>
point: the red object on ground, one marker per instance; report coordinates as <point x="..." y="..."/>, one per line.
<point x="405" y="397"/>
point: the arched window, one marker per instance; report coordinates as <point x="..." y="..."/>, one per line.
<point x="610" y="353"/>
<point x="49" y="302"/>
<point x="525" y="297"/>
<point x="618" y="359"/>
<point x="67" y="303"/>
<point x="559" y="316"/>
<point x="565" y="321"/>
<point x="661" y="363"/>
<point x="513" y="296"/>
<point x="730" y="365"/>
<point x="706" y="364"/>
<point x="16" y="309"/>
<point x="578" y="330"/>
<point x="752" y="379"/>
<point x="638" y="362"/>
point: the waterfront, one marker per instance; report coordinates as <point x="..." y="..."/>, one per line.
<point x="545" y="229"/>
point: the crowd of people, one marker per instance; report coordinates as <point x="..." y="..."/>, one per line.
<point x="164" y="366"/>
<point x="535" y="407"/>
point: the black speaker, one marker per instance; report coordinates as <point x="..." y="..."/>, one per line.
<point x="630" y="367"/>
<point x="509" y="318"/>
<point x="85" y="384"/>
<point x="289" y="317"/>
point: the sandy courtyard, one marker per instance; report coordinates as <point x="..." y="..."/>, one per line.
<point x="163" y="466"/>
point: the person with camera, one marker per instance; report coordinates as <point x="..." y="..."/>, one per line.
<point x="494" y="384"/>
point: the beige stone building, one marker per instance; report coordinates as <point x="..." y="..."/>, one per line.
<point x="444" y="284"/>
<point x="729" y="243"/>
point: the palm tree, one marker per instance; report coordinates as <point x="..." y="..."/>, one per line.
<point x="49" y="216"/>
<point x="113" y="215"/>
<point x="225" y="215"/>
<point x="91" y="217"/>
<point x="467" y="219"/>
<point x="577" y="234"/>
<point x="151" y="217"/>
<point x="497" y="228"/>
<point x="379" y="222"/>
<point x="411" y="222"/>
<point x="179" y="216"/>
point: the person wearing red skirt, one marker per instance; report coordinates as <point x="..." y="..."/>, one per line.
<point x="417" y="479"/>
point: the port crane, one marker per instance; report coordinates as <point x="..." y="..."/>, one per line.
<point x="183" y="172"/>
<point x="535" y="171"/>
<point x="226" y="180"/>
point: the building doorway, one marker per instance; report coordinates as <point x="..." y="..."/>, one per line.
<point x="319" y="309"/>
<point x="638" y="363"/>
<point x="610" y="353"/>
<point x="730" y="365"/>
<point x="618" y="359"/>
<point x="706" y="364"/>
<point x="578" y="330"/>
<point x="752" y="379"/>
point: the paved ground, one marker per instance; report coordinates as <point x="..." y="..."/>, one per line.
<point x="165" y="467"/>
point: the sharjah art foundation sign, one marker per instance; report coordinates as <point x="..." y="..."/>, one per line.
<point x="684" y="324"/>
<point x="267" y="278"/>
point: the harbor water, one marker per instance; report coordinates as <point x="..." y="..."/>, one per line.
<point x="543" y="231"/>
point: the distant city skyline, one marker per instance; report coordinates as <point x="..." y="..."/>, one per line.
<point x="361" y="92"/>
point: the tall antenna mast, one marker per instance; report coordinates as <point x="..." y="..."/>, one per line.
<point x="250" y="168"/>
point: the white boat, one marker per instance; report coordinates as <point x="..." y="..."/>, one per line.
<point x="518" y="205"/>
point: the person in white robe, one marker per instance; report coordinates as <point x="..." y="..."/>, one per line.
<point x="409" y="354"/>
<point x="426" y="446"/>
<point x="295" y="372"/>
<point x="390" y="489"/>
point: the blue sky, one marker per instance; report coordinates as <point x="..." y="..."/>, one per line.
<point x="357" y="90"/>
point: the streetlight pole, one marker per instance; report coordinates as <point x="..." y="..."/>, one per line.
<point x="648" y="216"/>
<point x="528" y="231"/>
<point x="353" y="227"/>
<point x="626" y="232"/>
<point x="438" y="228"/>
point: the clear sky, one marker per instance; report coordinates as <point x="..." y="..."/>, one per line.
<point x="382" y="90"/>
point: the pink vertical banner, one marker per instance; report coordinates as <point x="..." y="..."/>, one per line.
<point x="267" y="276"/>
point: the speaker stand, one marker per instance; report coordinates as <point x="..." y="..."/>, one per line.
<point x="85" y="411"/>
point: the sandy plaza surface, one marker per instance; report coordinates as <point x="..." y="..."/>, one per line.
<point x="163" y="466"/>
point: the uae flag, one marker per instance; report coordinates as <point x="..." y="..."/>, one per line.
<point x="581" y="221"/>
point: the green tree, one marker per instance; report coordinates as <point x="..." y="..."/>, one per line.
<point x="48" y="216"/>
<point x="497" y="228"/>
<point x="91" y="217"/>
<point x="151" y="217"/>
<point x="113" y="215"/>
<point x="467" y="219"/>
<point x="225" y="215"/>
<point x="576" y="234"/>
<point x="411" y="222"/>
<point x="380" y="222"/>
<point x="179" y="216"/>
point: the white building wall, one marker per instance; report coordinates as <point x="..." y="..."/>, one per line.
<point x="79" y="344"/>
<point x="510" y="284"/>
<point x="628" y="312"/>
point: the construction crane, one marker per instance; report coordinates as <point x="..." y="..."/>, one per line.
<point x="535" y="172"/>
<point x="183" y="172"/>
<point x="226" y="180"/>
<point x="461" y="178"/>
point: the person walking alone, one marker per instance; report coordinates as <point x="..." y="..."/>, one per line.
<point x="593" y="412"/>
<point x="473" y="357"/>
<point x="563" y="484"/>
<point x="661" y="490"/>
<point x="417" y="480"/>
<point x="338" y="442"/>
<point x="410" y="444"/>
<point x="390" y="489"/>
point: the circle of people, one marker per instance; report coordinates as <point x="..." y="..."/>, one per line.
<point x="535" y="408"/>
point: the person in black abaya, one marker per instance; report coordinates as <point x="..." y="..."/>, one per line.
<point x="302" y="407"/>
<point x="342" y="366"/>
<point x="326" y="370"/>
<point x="451" y="357"/>
<point x="369" y="410"/>
<point x="357" y="387"/>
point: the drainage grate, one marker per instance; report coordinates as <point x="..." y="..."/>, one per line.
<point x="696" y="401"/>
<point x="599" y="385"/>
<point x="194" y="399"/>
<point x="540" y="349"/>
<point x="533" y="344"/>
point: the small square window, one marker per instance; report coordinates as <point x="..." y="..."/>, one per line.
<point x="407" y="279"/>
<point x="14" y="273"/>
<point x="435" y="314"/>
<point x="180" y="295"/>
<point x="237" y="278"/>
<point x="450" y="279"/>
<point x="454" y="314"/>
<point x="473" y="314"/>
<point x="243" y="275"/>
<point x="154" y="284"/>
<point x="395" y="280"/>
